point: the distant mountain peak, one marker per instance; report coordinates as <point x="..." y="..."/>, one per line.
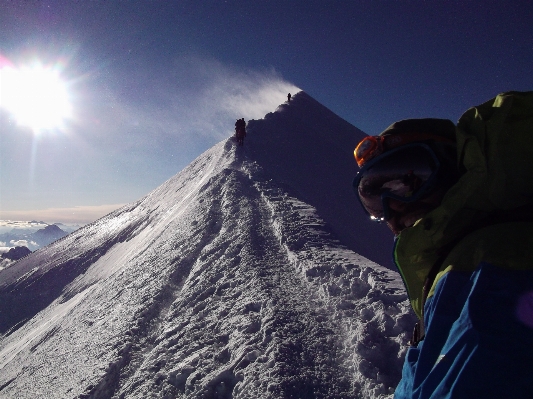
<point x="52" y="228"/>
<point x="16" y="253"/>
<point x="47" y="235"/>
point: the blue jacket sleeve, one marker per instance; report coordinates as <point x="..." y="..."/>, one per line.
<point x="479" y="338"/>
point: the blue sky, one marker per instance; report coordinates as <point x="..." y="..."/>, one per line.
<point x="153" y="84"/>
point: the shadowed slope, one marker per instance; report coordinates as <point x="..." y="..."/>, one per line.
<point x="309" y="149"/>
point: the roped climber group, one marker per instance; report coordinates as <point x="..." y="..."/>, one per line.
<point x="240" y="131"/>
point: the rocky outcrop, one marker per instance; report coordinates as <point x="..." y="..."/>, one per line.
<point x="16" y="253"/>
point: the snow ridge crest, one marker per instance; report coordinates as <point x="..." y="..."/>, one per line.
<point x="224" y="282"/>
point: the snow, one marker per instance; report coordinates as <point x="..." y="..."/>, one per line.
<point x="234" y="279"/>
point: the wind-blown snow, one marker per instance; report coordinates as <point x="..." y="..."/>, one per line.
<point x="224" y="282"/>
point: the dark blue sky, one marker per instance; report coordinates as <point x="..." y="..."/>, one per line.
<point x="154" y="83"/>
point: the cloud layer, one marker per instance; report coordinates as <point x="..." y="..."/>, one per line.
<point x="73" y="215"/>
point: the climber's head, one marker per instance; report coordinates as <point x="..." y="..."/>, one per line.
<point x="406" y="170"/>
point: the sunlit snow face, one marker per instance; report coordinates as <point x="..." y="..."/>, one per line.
<point x="36" y="96"/>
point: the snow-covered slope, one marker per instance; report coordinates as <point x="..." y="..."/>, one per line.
<point x="224" y="282"/>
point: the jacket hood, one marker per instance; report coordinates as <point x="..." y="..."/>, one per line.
<point x="439" y="127"/>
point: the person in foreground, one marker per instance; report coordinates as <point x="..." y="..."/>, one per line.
<point x="459" y="199"/>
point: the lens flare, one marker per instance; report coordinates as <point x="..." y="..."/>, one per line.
<point x="524" y="309"/>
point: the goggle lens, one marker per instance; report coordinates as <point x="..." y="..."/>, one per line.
<point x="367" y="146"/>
<point x="404" y="174"/>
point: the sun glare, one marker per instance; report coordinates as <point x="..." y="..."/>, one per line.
<point x="36" y="96"/>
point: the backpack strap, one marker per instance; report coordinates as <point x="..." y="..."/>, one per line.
<point x="419" y="330"/>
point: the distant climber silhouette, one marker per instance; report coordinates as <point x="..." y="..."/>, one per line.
<point x="289" y="97"/>
<point x="240" y="131"/>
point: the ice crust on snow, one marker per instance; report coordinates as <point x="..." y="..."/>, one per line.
<point x="230" y="280"/>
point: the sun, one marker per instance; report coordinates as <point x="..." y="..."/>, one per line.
<point x="36" y="96"/>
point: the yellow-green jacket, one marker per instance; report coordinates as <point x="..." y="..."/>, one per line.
<point x="478" y="315"/>
<point x="495" y="151"/>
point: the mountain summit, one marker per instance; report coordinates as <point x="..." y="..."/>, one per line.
<point x="308" y="150"/>
<point x="236" y="278"/>
<point x="48" y="235"/>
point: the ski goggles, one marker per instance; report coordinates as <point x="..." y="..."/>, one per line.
<point x="373" y="146"/>
<point x="405" y="174"/>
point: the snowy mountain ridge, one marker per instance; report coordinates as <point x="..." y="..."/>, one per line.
<point x="225" y="282"/>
